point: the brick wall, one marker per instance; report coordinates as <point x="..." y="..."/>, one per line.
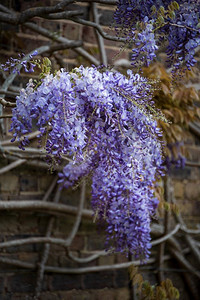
<point x="26" y="183"/>
<point x="19" y="283"/>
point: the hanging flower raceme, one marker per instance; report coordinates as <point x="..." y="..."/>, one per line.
<point x="149" y="24"/>
<point x="104" y="122"/>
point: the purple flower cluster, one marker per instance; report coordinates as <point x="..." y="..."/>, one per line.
<point x="12" y="64"/>
<point x="176" y="158"/>
<point x="102" y="120"/>
<point x="145" y="45"/>
<point x="179" y="26"/>
<point x="182" y="40"/>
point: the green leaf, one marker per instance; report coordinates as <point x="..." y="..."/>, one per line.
<point x="173" y="293"/>
<point x="172" y="14"/>
<point x="153" y="9"/>
<point x="160" y="293"/>
<point x="160" y="20"/>
<point x="176" y="5"/>
<point x="162" y="11"/>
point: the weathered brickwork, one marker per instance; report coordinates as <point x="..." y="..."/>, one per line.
<point x="25" y="183"/>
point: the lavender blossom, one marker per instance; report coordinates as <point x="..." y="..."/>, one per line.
<point x="102" y="121"/>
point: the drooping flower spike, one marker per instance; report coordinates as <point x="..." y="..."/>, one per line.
<point x="149" y="24"/>
<point x="103" y="121"/>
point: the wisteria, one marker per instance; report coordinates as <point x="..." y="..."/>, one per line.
<point x="149" y="24"/>
<point x="105" y="123"/>
<point x="12" y="64"/>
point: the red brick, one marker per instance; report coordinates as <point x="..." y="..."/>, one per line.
<point x="192" y="190"/>
<point x="78" y="243"/>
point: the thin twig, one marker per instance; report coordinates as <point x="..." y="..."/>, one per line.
<point x="99" y="29"/>
<point x="24" y="156"/>
<point x="93" y="269"/>
<point x="61" y="39"/>
<point x="50" y="190"/>
<point x="37" y="164"/>
<point x="30" y="136"/>
<point x="34" y="240"/>
<point x="29" y="150"/>
<point x="183" y="26"/>
<point x="190" y="231"/>
<point x="100" y="40"/>
<point x="87" y="259"/>
<point x="194" y="128"/>
<point x="79" y="215"/>
<point x="192" y="164"/>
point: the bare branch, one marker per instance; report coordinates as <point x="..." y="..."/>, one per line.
<point x="183" y="26"/>
<point x="108" y="2"/>
<point x="167" y="236"/>
<point x="97" y="268"/>
<point x="79" y="215"/>
<point x="45" y="254"/>
<point x="19" y="263"/>
<point x="192" y="164"/>
<point x="66" y="45"/>
<point x="157" y="230"/>
<point x="63" y="15"/>
<point x="30" y="150"/>
<point x="9" y="93"/>
<point x="161" y="249"/>
<point x="183" y="262"/>
<point x="50" y="190"/>
<point x="190" y="231"/>
<point x="30" y="136"/>
<point x="8" y="18"/>
<point x="12" y="18"/>
<point x="5" y="9"/>
<point x="12" y="166"/>
<point x="34" y="240"/>
<point x="61" y="39"/>
<point x="99" y="29"/>
<point x="43" y="11"/>
<point x="87" y="259"/>
<point x="6" y="116"/>
<point x="194" y="128"/>
<point x="24" y="156"/>
<point x="6" y="103"/>
<point x="36" y="163"/>
<point x="49" y="207"/>
<point x="190" y="241"/>
<point x="99" y="37"/>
